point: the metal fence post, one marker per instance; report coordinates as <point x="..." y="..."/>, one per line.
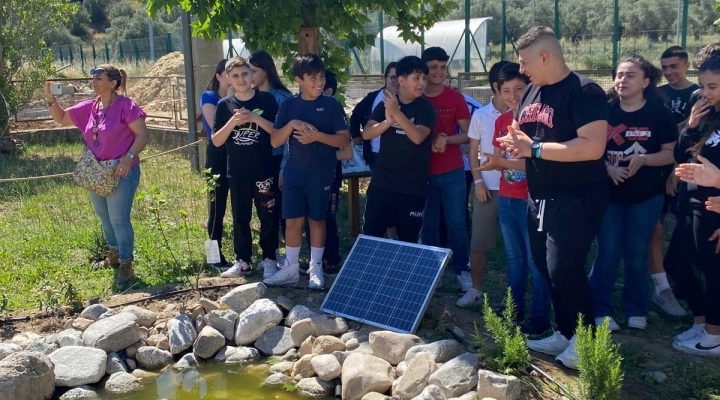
<point x="504" y="30"/>
<point x="382" y="43"/>
<point x="557" y="19"/>
<point x="82" y="57"/>
<point x="467" y="35"/>
<point x="168" y="43"/>
<point x="62" y="58"/>
<point x="72" y="59"/>
<point x="120" y="50"/>
<point x="616" y="32"/>
<point x="137" y="53"/>
<point x="422" y="31"/>
<point x="94" y="54"/>
<point x="686" y="5"/>
<point x="107" y="53"/>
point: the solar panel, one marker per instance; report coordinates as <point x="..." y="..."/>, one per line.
<point x="386" y="283"/>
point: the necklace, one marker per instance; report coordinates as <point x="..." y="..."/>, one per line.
<point x="98" y="119"/>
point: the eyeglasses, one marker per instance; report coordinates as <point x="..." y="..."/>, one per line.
<point x="393" y="78"/>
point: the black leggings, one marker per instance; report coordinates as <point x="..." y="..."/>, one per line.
<point x="569" y="225"/>
<point x="216" y="161"/>
<point x="690" y="246"/>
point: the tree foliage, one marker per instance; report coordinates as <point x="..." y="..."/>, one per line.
<point x="274" y="26"/>
<point x="129" y="22"/>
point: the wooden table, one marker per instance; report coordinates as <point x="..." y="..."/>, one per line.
<point x="354" y="199"/>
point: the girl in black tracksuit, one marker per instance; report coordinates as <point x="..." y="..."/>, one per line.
<point x="702" y="137"/>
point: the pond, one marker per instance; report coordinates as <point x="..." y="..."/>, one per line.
<point x="211" y="381"/>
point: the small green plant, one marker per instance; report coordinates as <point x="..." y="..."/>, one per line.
<point x="510" y="355"/>
<point x="48" y="297"/>
<point x="211" y="182"/>
<point x="97" y="246"/>
<point x="289" y="387"/>
<point x="599" y="363"/>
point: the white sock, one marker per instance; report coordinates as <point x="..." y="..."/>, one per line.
<point x="710" y="340"/>
<point x="316" y="254"/>
<point x="661" y="282"/>
<point x="292" y="255"/>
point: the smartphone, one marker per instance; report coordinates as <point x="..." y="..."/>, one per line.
<point x="56" y="89"/>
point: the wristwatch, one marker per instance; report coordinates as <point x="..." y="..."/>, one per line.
<point x="536" y="149"/>
<point x="130" y="155"/>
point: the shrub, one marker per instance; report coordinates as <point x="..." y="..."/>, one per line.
<point x="599" y="363"/>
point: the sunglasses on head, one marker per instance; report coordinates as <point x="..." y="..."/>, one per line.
<point x="96" y="71"/>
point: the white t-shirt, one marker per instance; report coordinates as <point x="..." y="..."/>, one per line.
<point x="375" y="142"/>
<point x="482" y="128"/>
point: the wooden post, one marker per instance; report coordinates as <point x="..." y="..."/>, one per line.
<point x="308" y="41"/>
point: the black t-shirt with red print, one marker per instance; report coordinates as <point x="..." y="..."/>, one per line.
<point x="639" y="132"/>
<point x="554" y="113"/>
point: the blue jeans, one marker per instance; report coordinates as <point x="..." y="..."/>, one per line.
<point x="512" y="214"/>
<point x="448" y="189"/>
<point x="114" y="213"/>
<point x="625" y="233"/>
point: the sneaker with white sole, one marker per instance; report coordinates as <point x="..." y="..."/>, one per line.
<point x="694" y="332"/>
<point x="552" y="345"/>
<point x="464" y="280"/>
<point x="701" y="346"/>
<point x="288" y="275"/>
<point x="668" y="304"/>
<point x="614" y="327"/>
<point x="637" y="323"/>
<point x="268" y="267"/>
<point x="316" y="279"/>
<point x="238" y="269"/>
<point x="568" y="358"/>
<point x="471" y="296"/>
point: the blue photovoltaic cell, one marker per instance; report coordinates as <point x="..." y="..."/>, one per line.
<point x="386" y="283"/>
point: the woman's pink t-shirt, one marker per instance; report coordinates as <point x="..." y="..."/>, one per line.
<point x="114" y="137"/>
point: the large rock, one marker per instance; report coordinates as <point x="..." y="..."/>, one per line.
<point x="376" y="396"/>
<point x="113" y="333"/>
<point x="82" y="323"/>
<point x="224" y="321"/>
<point x="243" y="355"/>
<point x="131" y="351"/>
<point x="277" y="379"/>
<point x="94" y="312"/>
<point x="327" y="344"/>
<point x="23" y="339"/>
<point x="27" y="376"/>
<point x="6" y="349"/>
<point x="276" y="341"/>
<point x="262" y="315"/>
<point x="317" y="326"/>
<point x="187" y="361"/>
<point x="440" y="351"/>
<point x="457" y="376"/>
<point x="69" y="337"/>
<point x="298" y="313"/>
<point x="44" y="345"/>
<point x="79" y="393"/>
<point x="208" y="342"/>
<point x="145" y="317"/>
<point x="362" y="374"/>
<point x="243" y="296"/>
<point x="326" y="366"/>
<point x="391" y="346"/>
<point x="431" y="392"/>
<point x="315" y="387"/>
<point x="122" y="382"/>
<point x="76" y="366"/>
<point x="306" y="346"/>
<point x="181" y="332"/>
<point x="415" y="377"/>
<point x="283" y="367"/>
<point x="361" y="335"/>
<point x="151" y="358"/>
<point x="471" y="396"/>
<point x="303" y="368"/>
<point x="208" y="305"/>
<point x="498" y="386"/>
<point x="115" y="364"/>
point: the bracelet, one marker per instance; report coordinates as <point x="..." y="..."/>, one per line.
<point x="51" y="103"/>
<point x="644" y="158"/>
<point x="478" y="181"/>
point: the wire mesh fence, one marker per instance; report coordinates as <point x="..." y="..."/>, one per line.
<point x="125" y="51"/>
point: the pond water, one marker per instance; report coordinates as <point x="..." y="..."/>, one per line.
<point x="211" y="381"/>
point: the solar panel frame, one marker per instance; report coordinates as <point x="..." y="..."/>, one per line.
<point x="382" y="305"/>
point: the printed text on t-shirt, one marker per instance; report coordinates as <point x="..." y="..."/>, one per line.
<point x="537" y="112"/>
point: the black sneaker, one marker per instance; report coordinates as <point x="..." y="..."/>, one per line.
<point x="331" y="269"/>
<point x="535" y="327"/>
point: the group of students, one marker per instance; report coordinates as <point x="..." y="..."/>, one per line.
<point x="553" y="159"/>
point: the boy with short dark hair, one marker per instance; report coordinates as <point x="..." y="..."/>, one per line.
<point x="316" y="127"/>
<point x="675" y="63"/>
<point x="242" y="124"/>
<point x="398" y="190"/>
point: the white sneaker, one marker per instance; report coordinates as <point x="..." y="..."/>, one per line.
<point x="316" y="278"/>
<point x="694" y="332"/>
<point x="569" y="357"/>
<point x="552" y="345"/>
<point x="238" y="269"/>
<point x="700" y="346"/>
<point x="667" y="302"/>
<point x="637" y="322"/>
<point x="464" y="280"/>
<point x="288" y="275"/>
<point x="268" y="266"/>
<point x="614" y="327"/>
<point x="470" y="297"/>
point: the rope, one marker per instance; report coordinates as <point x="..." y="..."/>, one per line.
<point x="32" y="178"/>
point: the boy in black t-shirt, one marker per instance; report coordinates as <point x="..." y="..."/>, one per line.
<point x="675" y="64"/>
<point x="398" y="190"/>
<point x="242" y="124"/>
<point x="561" y="127"/>
<point x="316" y="127"/>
